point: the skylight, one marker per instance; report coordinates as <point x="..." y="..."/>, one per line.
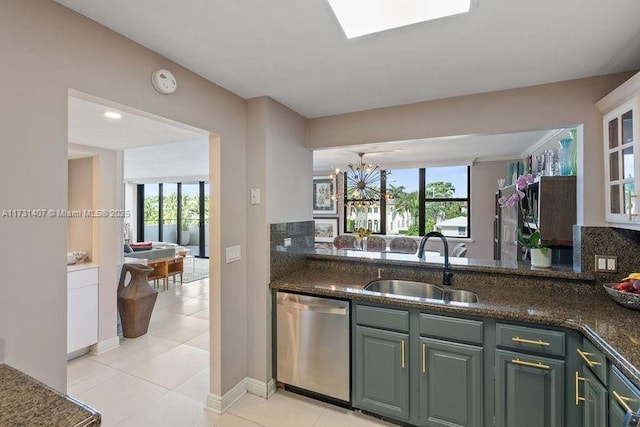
<point x="361" y="17"/>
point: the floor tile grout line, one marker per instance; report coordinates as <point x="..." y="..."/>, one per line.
<point x="143" y="407"/>
<point x="122" y="371"/>
<point x="241" y="417"/>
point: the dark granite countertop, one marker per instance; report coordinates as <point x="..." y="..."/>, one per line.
<point x="25" y="401"/>
<point x="457" y="264"/>
<point x="585" y="308"/>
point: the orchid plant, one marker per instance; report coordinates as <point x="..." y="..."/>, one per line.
<point x="533" y="240"/>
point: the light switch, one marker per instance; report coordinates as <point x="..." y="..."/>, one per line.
<point x="601" y="263"/>
<point x="287" y="242"/>
<point x="233" y="254"/>
<point x="254" y="196"/>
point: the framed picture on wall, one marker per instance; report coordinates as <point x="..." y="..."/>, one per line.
<point x="326" y="229"/>
<point x="323" y="188"/>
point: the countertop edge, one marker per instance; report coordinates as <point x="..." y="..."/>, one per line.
<point x="437" y="262"/>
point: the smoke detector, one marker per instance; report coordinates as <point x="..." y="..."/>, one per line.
<point x="164" y="82"/>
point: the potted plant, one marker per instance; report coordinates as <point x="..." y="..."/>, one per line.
<point x="539" y="250"/>
<point x="184" y="236"/>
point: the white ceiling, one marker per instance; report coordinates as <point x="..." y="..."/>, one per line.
<point x="426" y="152"/>
<point x="186" y="161"/>
<point x="88" y="126"/>
<point x="154" y="148"/>
<point x="295" y="51"/>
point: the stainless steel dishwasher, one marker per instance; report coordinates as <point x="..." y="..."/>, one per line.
<point x="313" y="344"/>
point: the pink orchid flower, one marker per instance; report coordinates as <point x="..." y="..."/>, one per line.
<point x="524" y="181"/>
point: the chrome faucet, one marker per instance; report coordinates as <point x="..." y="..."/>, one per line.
<point x="447" y="274"/>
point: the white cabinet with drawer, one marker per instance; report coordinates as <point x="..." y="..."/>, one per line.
<point x="82" y="307"/>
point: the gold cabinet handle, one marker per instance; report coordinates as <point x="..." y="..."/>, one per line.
<point x="402" y="353"/>
<point x="526" y="341"/>
<point x="623" y="401"/>
<point x="538" y="365"/>
<point x="578" y="379"/>
<point x="585" y="357"/>
<point x="424" y="358"/>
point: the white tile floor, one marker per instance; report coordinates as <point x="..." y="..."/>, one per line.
<point x="162" y="378"/>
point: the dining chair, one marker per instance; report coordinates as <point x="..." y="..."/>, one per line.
<point x="403" y="244"/>
<point x="376" y="244"/>
<point x="345" y="241"/>
<point x="460" y="250"/>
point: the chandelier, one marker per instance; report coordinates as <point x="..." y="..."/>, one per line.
<point x="362" y="184"/>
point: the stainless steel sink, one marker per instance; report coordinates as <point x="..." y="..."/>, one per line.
<point x="406" y="288"/>
<point x="409" y="288"/>
<point x="458" y="295"/>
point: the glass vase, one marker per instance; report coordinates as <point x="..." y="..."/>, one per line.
<point x="565" y="156"/>
<point x="364" y="244"/>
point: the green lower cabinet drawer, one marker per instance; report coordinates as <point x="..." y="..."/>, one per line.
<point x="529" y="390"/>
<point x="382" y="372"/>
<point x="594" y="359"/>
<point x="450" y="384"/>
<point x="452" y="328"/>
<point x="529" y="339"/>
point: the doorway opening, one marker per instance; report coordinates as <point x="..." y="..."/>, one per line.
<point x="179" y="326"/>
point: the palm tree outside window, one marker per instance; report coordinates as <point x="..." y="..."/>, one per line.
<point x="422" y="200"/>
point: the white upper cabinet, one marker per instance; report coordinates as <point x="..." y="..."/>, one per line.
<point x="621" y="161"/>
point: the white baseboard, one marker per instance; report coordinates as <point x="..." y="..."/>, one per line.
<point x="261" y="389"/>
<point x="220" y="405"/>
<point x="106" y="345"/>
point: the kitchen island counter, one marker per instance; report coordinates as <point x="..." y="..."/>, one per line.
<point x="27" y="402"/>
<point x="584" y="307"/>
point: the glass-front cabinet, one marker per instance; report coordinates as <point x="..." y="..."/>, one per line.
<point x="621" y="160"/>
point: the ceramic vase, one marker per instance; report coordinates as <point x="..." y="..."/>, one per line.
<point x="540" y="259"/>
<point x="565" y="156"/>
<point x="136" y="300"/>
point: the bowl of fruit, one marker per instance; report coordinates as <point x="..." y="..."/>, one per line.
<point x="627" y="292"/>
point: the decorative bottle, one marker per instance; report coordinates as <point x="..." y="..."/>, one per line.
<point x="565" y="156"/>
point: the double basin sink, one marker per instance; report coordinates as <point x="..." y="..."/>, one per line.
<point x="407" y="288"/>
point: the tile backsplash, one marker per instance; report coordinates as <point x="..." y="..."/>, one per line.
<point x="290" y="258"/>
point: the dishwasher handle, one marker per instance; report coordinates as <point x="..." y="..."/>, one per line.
<point x="317" y="308"/>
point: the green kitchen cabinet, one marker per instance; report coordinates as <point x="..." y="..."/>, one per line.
<point x="593" y="397"/>
<point x="451" y="381"/>
<point x="616" y="415"/>
<point x="382" y="372"/>
<point x="529" y="390"/>
<point x="623" y="396"/>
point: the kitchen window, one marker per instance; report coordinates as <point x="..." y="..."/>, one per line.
<point x="421" y="200"/>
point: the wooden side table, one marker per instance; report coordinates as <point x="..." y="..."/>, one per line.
<point x="175" y="267"/>
<point x="165" y="267"/>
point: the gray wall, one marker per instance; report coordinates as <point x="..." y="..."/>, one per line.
<point x="49" y="50"/>
<point x="549" y="106"/>
<point x="280" y="165"/>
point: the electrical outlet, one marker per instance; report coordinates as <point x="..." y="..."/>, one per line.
<point x="601" y="263"/>
<point x="606" y="264"/>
